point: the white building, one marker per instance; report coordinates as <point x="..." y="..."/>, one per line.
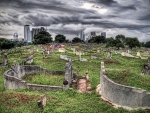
<point x="27" y="33"/>
<point x="82" y="35"/>
<point x="15" y="36"/>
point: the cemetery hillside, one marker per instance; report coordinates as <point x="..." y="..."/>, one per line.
<point x="106" y="75"/>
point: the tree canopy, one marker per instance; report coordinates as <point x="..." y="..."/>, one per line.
<point x="110" y="42"/>
<point x="121" y="41"/>
<point x="42" y="37"/>
<point x="97" y="39"/>
<point x="132" y="42"/>
<point x="76" y="40"/>
<point x="147" y="44"/>
<point x="60" y="38"/>
<point x="6" y="44"/>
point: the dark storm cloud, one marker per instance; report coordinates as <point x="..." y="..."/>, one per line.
<point x="65" y="31"/>
<point x="45" y="20"/>
<point x="105" y="2"/>
<point x="130" y="15"/>
<point x="146" y="17"/>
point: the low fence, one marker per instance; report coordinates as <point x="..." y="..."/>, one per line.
<point x="12" y="79"/>
<point x="121" y="95"/>
<point x="13" y="82"/>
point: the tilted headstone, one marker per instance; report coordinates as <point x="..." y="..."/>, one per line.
<point x="42" y="101"/>
<point x="62" y="50"/>
<point x="17" y="70"/>
<point x="29" y="60"/>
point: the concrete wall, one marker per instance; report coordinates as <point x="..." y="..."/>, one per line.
<point x="13" y="82"/>
<point x="121" y="95"/>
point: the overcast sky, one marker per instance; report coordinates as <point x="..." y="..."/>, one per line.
<point x="128" y="17"/>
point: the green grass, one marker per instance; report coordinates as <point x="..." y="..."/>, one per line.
<point x="126" y="77"/>
<point x="68" y="101"/>
<point x="44" y="79"/>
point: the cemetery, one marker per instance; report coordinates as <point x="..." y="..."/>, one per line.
<point x="88" y="78"/>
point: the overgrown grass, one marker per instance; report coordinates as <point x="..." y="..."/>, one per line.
<point x="44" y="79"/>
<point x="126" y="77"/>
<point x="68" y="101"/>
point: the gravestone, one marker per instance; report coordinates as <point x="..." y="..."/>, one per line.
<point x="5" y="59"/>
<point x="64" y="57"/>
<point x="138" y="54"/>
<point x="146" y="68"/>
<point x="44" y="53"/>
<point x="109" y="54"/>
<point x="146" y="52"/>
<point x="68" y="73"/>
<point x="62" y="50"/>
<point x="74" y="50"/>
<point x="82" y="59"/>
<point x="17" y="70"/>
<point x="127" y="55"/>
<point x="98" y="51"/>
<point x="42" y="101"/>
<point x="29" y="60"/>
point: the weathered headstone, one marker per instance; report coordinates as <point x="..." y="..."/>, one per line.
<point x="64" y="57"/>
<point x="29" y="60"/>
<point x="138" y="54"/>
<point x="82" y="59"/>
<point x="5" y="59"/>
<point x="98" y="51"/>
<point x="42" y="101"/>
<point x="68" y="73"/>
<point x="146" y="68"/>
<point x="62" y="50"/>
<point x="109" y="54"/>
<point x="17" y="70"/>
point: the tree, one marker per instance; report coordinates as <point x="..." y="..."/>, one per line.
<point x="110" y="42"/>
<point x="60" y="38"/>
<point x="6" y="44"/>
<point x="76" y="40"/>
<point x="97" y="39"/>
<point x="147" y="44"/>
<point x="42" y="37"/>
<point x="142" y="44"/>
<point x="132" y="42"/>
<point x="119" y="41"/>
<point x="120" y="38"/>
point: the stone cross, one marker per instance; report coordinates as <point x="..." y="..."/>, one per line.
<point x="5" y="59"/>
